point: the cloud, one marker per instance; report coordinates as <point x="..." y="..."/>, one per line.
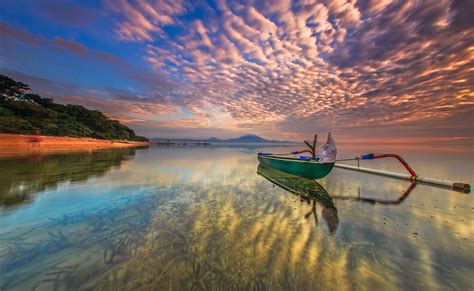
<point x="345" y="12"/>
<point x="9" y="31"/>
<point x="120" y="104"/>
<point x="144" y="19"/>
<point x="259" y="21"/>
<point x="375" y="6"/>
<point x="399" y="64"/>
<point x="14" y="35"/>
<point x="293" y="67"/>
<point x="71" y="46"/>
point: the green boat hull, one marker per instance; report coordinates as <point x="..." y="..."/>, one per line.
<point x="302" y="168"/>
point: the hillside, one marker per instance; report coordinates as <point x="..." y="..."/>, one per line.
<point x="249" y="138"/>
<point x="22" y="112"/>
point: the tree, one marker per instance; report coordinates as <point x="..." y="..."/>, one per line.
<point x="35" y="98"/>
<point x="27" y="113"/>
<point x="10" y="88"/>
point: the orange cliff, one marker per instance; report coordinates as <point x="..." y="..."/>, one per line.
<point x="17" y="144"/>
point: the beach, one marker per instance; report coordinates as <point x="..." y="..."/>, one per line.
<point x="19" y="145"/>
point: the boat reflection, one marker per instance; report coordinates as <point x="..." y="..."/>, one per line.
<point x="22" y="177"/>
<point x="314" y="193"/>
<point x="308" y="190"/>
<point x="396" y="201"/>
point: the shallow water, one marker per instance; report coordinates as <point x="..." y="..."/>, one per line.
<point x="204" y="219"/>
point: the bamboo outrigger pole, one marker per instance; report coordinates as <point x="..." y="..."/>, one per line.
<point x="462" y="187"/>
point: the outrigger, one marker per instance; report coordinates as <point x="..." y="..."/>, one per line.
<point x="319" y="166"/>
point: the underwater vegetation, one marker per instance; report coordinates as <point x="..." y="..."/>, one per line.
<point x="210" y="219"/>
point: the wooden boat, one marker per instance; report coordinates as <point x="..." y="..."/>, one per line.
<point x="307" y="168"/>
<point x="311" y="167"/>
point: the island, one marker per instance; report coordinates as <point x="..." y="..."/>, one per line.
<point x="32" y="123"/>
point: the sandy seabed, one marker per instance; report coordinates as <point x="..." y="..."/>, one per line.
<point x="18" y="145"/>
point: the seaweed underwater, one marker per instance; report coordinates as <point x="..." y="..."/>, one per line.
<point x="190" y="251"/>
<point x="73" y="249"/>
<point x="241" y="232"/>
<point x="189" y="236"/>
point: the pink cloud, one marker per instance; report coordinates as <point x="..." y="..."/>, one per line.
<point x="144" y="19"/>
<point x="295" y="66"/>
<point x="70" y="45"/>
<point x="8" y="31"/>
<point x="292" y="80"/>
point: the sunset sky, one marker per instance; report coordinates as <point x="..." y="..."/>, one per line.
<point x="394" y="70"/>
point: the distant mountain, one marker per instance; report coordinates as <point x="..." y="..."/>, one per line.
<point x="213" y="139"/>
<point x="248" y="138"/>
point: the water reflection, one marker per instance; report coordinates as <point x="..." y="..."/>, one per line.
<point x="22" y="177"/>
<point x="201" y="218"/>
<point x="395" y="201"/>
<point x="309" y="190"/>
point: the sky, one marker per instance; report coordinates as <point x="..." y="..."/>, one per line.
<point x="399" y="71"/>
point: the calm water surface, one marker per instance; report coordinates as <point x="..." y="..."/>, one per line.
<point x="209" y="218"/>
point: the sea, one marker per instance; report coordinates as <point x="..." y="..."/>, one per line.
<point x="210" y="218"/>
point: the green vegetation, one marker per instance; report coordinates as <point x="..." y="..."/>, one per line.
<point x="25" y="113"/>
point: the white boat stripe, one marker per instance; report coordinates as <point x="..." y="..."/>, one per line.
<point x="292" y="160"/>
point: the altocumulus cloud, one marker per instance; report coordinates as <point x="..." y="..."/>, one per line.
<point x="305" y="65"/>
<point x="289" y="68"/>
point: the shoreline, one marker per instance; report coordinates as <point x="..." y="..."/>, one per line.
<point x="12" y="145"/>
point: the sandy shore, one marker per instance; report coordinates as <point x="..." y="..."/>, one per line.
<point x="18" y="145"/>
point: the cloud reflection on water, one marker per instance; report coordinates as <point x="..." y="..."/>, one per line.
<point x="202" y="218"/>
